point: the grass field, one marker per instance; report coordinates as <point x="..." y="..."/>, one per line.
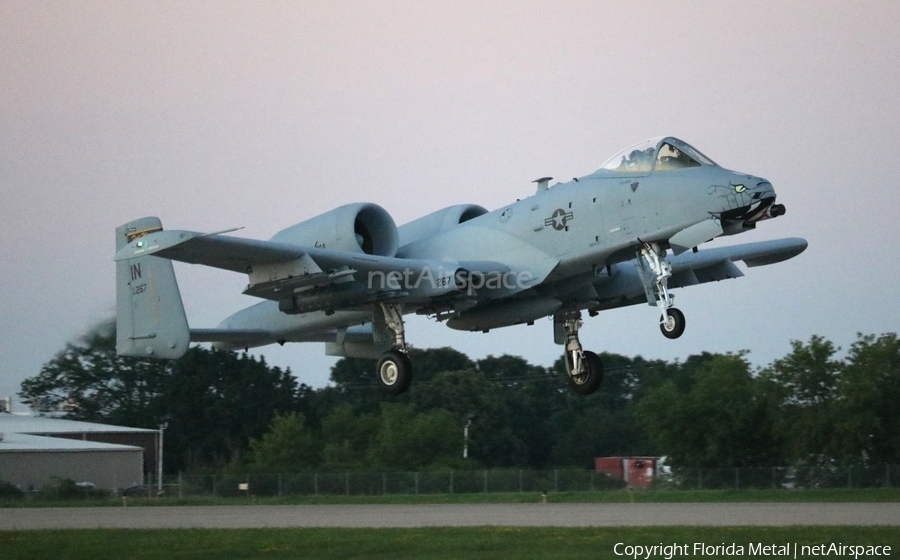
<point x="607" y="496"/>
<point x="428" y="543"/>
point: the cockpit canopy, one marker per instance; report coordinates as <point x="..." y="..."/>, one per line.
<point x="664" y="153"/>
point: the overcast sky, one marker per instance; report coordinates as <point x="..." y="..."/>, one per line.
<point x="213" y="115"/>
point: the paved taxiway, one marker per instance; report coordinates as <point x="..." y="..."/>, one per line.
<point x="463" y="515"/>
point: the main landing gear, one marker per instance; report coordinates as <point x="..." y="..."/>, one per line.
<point x="394" y="368"/>
<point x="583" y="366"/>
<point x="655" y="273"/>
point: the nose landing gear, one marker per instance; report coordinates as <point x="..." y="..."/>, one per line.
<point x="655" y="272"/>
<point x="673" y="326"/>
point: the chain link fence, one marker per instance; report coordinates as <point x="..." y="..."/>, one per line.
<point x="381" y="483"/>
<point x="494" y="481"/>
<point x="876" y="476"/>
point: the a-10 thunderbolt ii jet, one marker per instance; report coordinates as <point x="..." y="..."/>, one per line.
<point x="624" y="235"/>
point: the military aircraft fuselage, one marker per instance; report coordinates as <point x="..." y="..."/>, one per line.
<point x="563" y="238"/>
<point x="622" y="235"/>
<point x="600" y="219"/>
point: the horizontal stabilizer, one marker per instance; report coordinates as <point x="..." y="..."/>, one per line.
<point x="251" y="337"/>
<point x="219" y="251"/>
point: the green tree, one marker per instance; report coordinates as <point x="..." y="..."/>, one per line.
<point x="214" y="402"/>
<point x="88" y="381"/>
<point x="288" y="446"/>
<point x="721" y="417"/>
<point x="602" y="424"/>
<point x="809" y="374"/>
<point x="410" y="441"/>
<point x="217" y="401"/>
<point x="355" y="380"/>
<point x="469" y="395"/>
<point x="432" y="361"/>
<point x="527" y="396"/>
<point x="511" y="371"/>
<point x="350" y="375"/>
<point x="869" y="389"/>
<point x="805" y="385"/>
<point x="347" y="438"/>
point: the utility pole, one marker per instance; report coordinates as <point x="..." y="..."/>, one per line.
<point x="159" y="457"/>
<point x="466" y="437"/>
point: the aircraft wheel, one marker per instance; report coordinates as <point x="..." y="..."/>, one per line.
<point x="394" y="372"/>
<point x="674" y="325"/>
<point x="588" y="381"/>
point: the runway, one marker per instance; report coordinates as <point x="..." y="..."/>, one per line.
<point x="461" y="515"/>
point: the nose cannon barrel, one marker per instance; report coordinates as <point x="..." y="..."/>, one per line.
<point x="773" y="211"/>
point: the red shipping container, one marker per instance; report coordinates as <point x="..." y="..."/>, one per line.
<point x="637" y="472"/>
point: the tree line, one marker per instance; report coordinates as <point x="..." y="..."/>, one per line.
<point x="233" y="412"/>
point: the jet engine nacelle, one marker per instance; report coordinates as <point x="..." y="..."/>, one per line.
<point x="437" y="222"/>
<point x="361" y="227"/>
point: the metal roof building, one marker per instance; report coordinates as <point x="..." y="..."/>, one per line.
<point x="35" y="450"/>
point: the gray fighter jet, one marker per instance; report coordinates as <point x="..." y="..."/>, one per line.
<point x="624" y="235"/>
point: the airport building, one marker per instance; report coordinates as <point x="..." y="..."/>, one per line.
<point x="36" y="450"/>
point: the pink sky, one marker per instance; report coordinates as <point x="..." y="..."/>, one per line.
<point x="261" y="114"/>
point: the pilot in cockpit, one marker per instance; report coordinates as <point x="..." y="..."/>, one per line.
<point x="637" y="160"/>
<point x="671" y="157"/>
<point x="642" y="158"/>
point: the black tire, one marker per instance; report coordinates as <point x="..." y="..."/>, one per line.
<point x="589" y="381"/>
<point x="674" y="327"/>
<point x="394" y="372"/>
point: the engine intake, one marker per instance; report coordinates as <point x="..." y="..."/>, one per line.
<point x="439" y="221"/>
<point x="361" y="227"/>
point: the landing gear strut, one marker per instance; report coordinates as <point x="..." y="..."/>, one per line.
<point x="394" y="368"/>
<point x="655" y="273"/>
<point x="583" y="366"/>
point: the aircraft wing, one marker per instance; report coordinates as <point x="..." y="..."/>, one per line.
<point x="277" y="270"/>
<point x="626" y="287"/>
<point x="718" y="264"/>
